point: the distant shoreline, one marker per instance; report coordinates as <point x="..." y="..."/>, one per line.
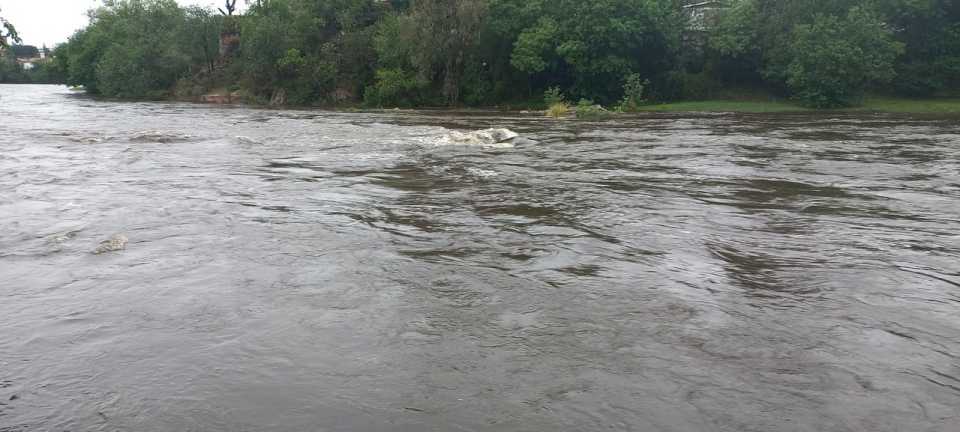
<point x="876" y="104"/>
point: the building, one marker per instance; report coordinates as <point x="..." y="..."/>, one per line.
<point x="25" y="52"/>
<point x="28" y="56"/>
<point x="702" y="15"/>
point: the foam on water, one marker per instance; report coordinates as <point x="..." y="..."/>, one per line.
<point x="491" y="138"/>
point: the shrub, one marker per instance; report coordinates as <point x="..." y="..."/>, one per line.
<point x="587" y="110"/>
<point x="556" y="105"/>
<point x="558" y="110"/>
<point x="633" y="93"/>
<point x="553" y="96"/>
<point x="394" y="87"/>
<point x="697" y="86"/>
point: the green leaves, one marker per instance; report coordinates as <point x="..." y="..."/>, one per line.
<point x="532" y="48"/>
<point x="395" y="87"/>
<point x="835" y="59"/>
<point x="634" y="89"/>
<point x="131" y="49"/>
<point x="737" y="31"/>
<point x="588" y="46"/>
<point x="292" y="62"/>
<point x="829" y="53"/>
<point x="7" y="33"/>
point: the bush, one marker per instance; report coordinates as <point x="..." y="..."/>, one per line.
<point x="558" y="110"/>
<point x="587" y="110"/>
<point x="553" y="96"/>
<point x="917" y="80"/>
<point x="665" y="87"/>
<point x="697" y="86"/>
<point x="394" y="87"/>
<point x="634" y="89"/>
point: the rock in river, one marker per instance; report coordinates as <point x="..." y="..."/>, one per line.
<point x="114" y="244"/>
<point x="485" y="138"/>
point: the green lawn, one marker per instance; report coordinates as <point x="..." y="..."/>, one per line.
<point x="725" y="106"/>
<point x="877" y="104"/>
<point x="911" y="105"/>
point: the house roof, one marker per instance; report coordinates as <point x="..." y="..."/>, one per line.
<point x="703" y="4"/>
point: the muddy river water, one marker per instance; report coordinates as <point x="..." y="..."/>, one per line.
<point x="292" y="270"/>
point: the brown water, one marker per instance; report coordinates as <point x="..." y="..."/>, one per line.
<point x="318" y="271"/>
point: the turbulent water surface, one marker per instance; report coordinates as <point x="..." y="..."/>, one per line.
<point x="316" y="271"/>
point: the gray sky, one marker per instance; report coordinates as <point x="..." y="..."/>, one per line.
<point x="53" y="21"/>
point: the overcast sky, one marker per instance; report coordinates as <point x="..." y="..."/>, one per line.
<point x="53" y="21"/>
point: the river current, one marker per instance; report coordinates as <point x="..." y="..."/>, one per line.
<point x="298" y="270"/>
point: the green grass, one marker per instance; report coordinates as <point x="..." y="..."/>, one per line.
<point x="896" y="105"/>
<point x="725" y="106"/>
<point x="873" y="104"/>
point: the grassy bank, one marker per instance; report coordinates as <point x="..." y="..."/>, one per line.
<point x="725" y="106"/>
<point x="896" y="105"/>
<point x="876" y="104"/>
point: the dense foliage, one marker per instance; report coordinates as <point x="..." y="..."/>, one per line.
<point x="834" y="60"/>
<point x="824" y="53"/>
<point x="827" y="53"/>
<point x="14" y="72"/>
<point x="138" y="49"/>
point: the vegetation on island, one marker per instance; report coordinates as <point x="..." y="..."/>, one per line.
<point x="628" y="55"/>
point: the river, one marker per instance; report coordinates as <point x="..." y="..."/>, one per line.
<point x="295" y="270"/>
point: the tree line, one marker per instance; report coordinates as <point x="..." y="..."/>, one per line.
<point x="822" y="53"/>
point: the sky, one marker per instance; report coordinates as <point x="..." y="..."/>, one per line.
<point x="51" y="22"/>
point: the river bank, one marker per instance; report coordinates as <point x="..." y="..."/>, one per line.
<point x="880" y="104"/>
<point x="754" y="104"/>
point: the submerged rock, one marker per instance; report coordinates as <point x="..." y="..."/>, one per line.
<point x="114" y="244"/>
<point x="246" y="140"/>
<point x="497" y="137"/>
<point x="159" y="137"/>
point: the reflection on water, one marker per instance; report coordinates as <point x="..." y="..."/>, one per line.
<point x="299" y="270"/>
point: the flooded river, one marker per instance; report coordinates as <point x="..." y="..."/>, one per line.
<point x="322" y="271"/>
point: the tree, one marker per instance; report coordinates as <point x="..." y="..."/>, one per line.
<point x="432" y="41"/>
<point x="590" y="47"/>
<point x="131" y="49"/>
<point x="200" y="36"/>
<point x="835" y="59"/>
<point x="231" y="7"/>
<point x="736" y="33"/>
<point x="7" y="33"/>
<point x="930" y="30"/>
<point x="311" y="50"/>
